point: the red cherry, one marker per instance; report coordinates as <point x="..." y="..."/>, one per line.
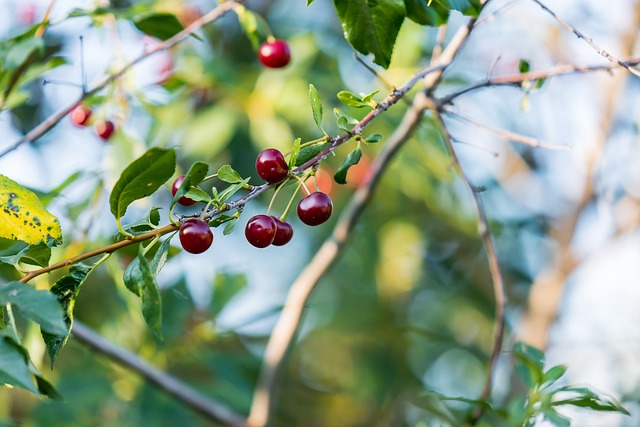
<point x="315" y="209"/>
<point x="80" y="115"/>
<point x="104" y="129"/>
<point x="274" y="54"/>
<point x="195" y="236"/>
<point x="260" y="231"/>
<point x="271" y="165"/>
<point x="184" y="200"/>
<point x="284" y="232"/>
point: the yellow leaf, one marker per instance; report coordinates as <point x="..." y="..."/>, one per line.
<point x="23" y="217"/>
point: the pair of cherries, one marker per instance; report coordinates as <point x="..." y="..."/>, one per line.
<point x="81" y="115"/>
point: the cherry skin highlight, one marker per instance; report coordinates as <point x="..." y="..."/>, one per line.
<point x="315" y="209"/>
<point x="80" y="115"/>
<point x="195" y="236"/>
<point x="271" y="166"/>
<point x="260" y="231"/>
<point x="184" y="200"/>
<point x="284" y="232"/>
<point x="274" y="54"/>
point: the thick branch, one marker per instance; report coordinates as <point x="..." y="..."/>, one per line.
<point x="52" y="120"/>
<point x="211" y="409"/>
<point x="287" y="325"/>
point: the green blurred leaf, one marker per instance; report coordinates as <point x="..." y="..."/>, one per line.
<point x="351" y="100"/>
<point x="227" y="174"/>
<point x="40" y="306"/>
<point x="14" y="364"/>
<point x="524" y="66"/>
<point x="418" y="11"/>
<point x="44" y="386"/>
<point x="371" y="26"/>
<point x="21" y="51"/>
<point x="316" y="107"/>
<point x="467" y="7"/>
<point x="38" y="254"/>
<point x="553" y="374"/>
<point x="139" y="279"/>
<point x="159" y="25"/>
<point x="249" y="24"/>
<point x="66" y="290"/>
<point x="352" y="159"/>
<point x="529" y="363"/>
<point x="295" y="152"/>
<point x="141" y="179"/>
<point x="587" y="398"/>
<point x="373" y="138"/>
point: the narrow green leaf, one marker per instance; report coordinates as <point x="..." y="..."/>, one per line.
<point x="371" y="26"/>
<point x="194" y="176"/>
<point x="352" y="159"/>
<point x="198" y="195"/>
<point x="160" y="257"/>
<point x="228" y="229"/>
<point x="159" y="25"/>
<point x="227" y="174"/>
<point x="40" y="306"/>
<point x="44" y="386"/>
<point x="14" y="365"/>
<point x="308" y="153"/>
<point x="373" y="138"/>
<point x="434" y="15"/>
<point x="139" y="279"/>
<point x="133" y="277"/>
<point x="221" y="219"/>
<point x="231" y="190"/>
<point x="351" y="99"/>
<point x="249" y="24"/>
<point x="368" y="98"/>
<point x="524" y="66"/>
<point x="553" y="374"/>
<point x="316" y="106"/>
<point x="295" y="152"/>
<point x="141" y="179"/>
<point x="66" y="290"/>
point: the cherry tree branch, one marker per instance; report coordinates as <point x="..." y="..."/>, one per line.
<point x="302" y="288"/>
<point x="52" y="120"/>
<point x="588" y="40"/>
<point x="494" y="263"/>
<point x="206" y="406"/>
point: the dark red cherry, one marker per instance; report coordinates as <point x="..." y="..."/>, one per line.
<point x="284" y="232"/>
<point x="104" y="129"/>
<point x="184" y="201"/>
<point x="195" y="236"/>
<point x="271" y="165"/>
<point x="260" y="231"/>
<point x="274" y="54"/>
<point x="80" y="115"/>
<point x="315" y="209"/>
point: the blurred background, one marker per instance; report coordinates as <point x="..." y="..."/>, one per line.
<point x="409" y="307"/>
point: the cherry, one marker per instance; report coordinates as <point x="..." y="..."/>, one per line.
<point x="104" y="129"/>
<point x="274" y="53"/>
<point x="284" y="232"/>
<point x="184" y="200"/>
<point x="315" y="209"/>
<point x="80" y="115"/>
<point x="195" y="236"/>
<point x="271" y="165"/>
<point x="260" y="231"/>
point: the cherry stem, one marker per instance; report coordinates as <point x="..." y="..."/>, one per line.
<point x="288" y="208"/>
<point x="275" y="193"/>
<point x="306" y="190"/>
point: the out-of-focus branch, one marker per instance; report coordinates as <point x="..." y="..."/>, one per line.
<point x="209" y="408"/>
<point x="52" y="120"/>
<point x="589" y="40"/>
<point x="289" y="320"/>
<point x="494" y="264"/>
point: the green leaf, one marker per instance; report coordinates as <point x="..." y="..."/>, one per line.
<point x="249" y="24"/>
<point x="228" y="229"/>
<point x="529" y="363"/>
<point x="39" y="255"/>
<point x="141" y="179"/>
<point x="295" y="152"/>
<point x="351" y="100"/>
<point x="145" y="224"/>
<point x="352" y="159"/>
<point x="524" y="66"/>
<point x="198" y="195"/>
<point x="309" y="2"/>
<point x="40" y="306"/>
<point x="368" y="98"/>
<point x="316" y="107"/>
<point x="555" y="418"/>
<point x="159" y="25"/>
<point x="22" y="50"/>
<point x="345" y="121"/>
<point x="554" y="374"/>
<point x="227" y="174"/>
<point x="194" y="176"/>
<point x="45" y="387"/>
<point x="308" y="153"/>
<point x="371" y="26"/>
<point x="160" y="257"/>
<point x="587" y="398"/>
<point x="418" y="11"/>
<point x="221" y="219"/>
<point x="373" y="138"/>
<point x="467" y="7"/>
<point x="14" y="365"/>
<point x="66" y="290"/>
<point x="139" y="279"/>
<point x="231" y="190"/>
<point x="23" y="217"/>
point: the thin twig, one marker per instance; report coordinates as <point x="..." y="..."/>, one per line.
<point x="439" y="45"/>
<point x="518" y="79"/>
<point x="508" y="135"/>
<point x="206" y="406"/>
<point x="51" y="121"/>
<point x="588" y="40"/>
<point x="299" y="293"/>
<point x="494" y="265"/>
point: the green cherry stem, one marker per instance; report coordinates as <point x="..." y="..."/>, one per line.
<point x="302" y="184"/>
<point x="275" y="193"/>
<point x="288" y="208"/>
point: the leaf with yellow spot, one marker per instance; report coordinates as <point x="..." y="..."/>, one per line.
<point x="23" y="217"/>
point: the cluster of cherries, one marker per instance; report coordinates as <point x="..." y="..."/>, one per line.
<point x="81" y="116"/>
<point x="261" y="230"/>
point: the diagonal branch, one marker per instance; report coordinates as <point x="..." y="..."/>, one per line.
<point x="209" y="408"/>
<point x="291" y="316"/>
<point x="52" y="120"/>
<point x="588" y="40"/>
